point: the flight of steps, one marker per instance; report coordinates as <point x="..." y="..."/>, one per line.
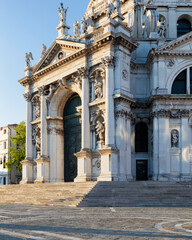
<point x="99" y="194"/>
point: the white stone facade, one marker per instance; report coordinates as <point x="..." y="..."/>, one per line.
<point x="131" y="68"/>
<point x="5" y="133"/>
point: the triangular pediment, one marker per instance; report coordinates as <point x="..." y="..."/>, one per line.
<point x="181" y="44"/>
<point x="59" y="50"/>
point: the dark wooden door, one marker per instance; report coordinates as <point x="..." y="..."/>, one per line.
<point x="141" y="170"/>
<point x="72" y="138"/>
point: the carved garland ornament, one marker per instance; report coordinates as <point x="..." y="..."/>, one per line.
<point x="170" y="114"/>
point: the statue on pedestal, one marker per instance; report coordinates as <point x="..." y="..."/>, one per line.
<point x="63" y="14"/>
<point x="27" y="59"/>
<point x="100" y="131"/>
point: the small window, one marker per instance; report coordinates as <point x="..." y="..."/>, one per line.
<point x="5" y="145"/>
<point x="180" y="83"/>
<point x="183" y="27"/>
<point x="5" y="131"/>
<point x="4" y="181"/>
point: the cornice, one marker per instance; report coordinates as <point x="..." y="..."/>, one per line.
<point x="172" y="97"/>
<point x="124" y="98"/>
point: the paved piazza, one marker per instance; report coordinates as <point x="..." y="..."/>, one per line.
<point x="42" y="222"/>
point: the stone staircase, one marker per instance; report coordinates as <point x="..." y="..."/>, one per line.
<point x="99" y="194"/>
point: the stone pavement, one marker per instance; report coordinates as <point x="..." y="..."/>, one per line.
<point x="48" y="222"/>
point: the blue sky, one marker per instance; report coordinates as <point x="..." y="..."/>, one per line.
<point x="24" y="26"/>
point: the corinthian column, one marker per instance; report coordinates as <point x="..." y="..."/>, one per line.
<point x="27" y="164"/>
<point x="109" y="102"/>
<point x="109" y="154"/>
<point x="84" y="156"/>
<point x="85" y="143"/>
<point x="43" y="160"/>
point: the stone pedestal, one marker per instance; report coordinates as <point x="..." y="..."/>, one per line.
<point x="62" y="30"/>
<point x="84" y="168"/>
<point x="109" y="164"/>
<point x="27" y="171"/>
<point x="42" y="170"/>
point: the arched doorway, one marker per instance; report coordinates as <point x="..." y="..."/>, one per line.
<point x="72" y="137"/>
<point x="141" y="150"/>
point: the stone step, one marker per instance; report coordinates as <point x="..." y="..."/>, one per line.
<point x="101" y="194"/>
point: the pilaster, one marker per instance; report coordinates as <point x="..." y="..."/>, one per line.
<point x="109" y="102"/>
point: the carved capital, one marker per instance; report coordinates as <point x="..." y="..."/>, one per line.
<point x="124" y="114"/>
<point x="108" y="61"/>
<point x="41" y="90"/>
<point x="83" y="72"/>
<point x="27" y="96"/>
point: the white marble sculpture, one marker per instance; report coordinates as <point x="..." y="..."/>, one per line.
<point x="63" y="15"/>
<point x="28" y="58"/>
<point x="77" y="29"/>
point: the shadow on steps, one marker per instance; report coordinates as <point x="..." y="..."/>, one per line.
<point x="138" y="194"/>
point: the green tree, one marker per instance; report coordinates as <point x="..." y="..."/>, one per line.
<point x="17" y="150"/>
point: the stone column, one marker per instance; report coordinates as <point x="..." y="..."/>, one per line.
<point x="109" y="153"/>
<point x="27" y="164"/>
<point x="83" y="157"/>
<point x="43" y="160"/>
<point x="155" y="148"/>
<point x="109" y="102"/>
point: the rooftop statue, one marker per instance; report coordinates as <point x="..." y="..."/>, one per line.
<point x="43" y="50"/>
<point x="110" y="9"/>
<point x="77" y="28"/>
<point x="117" y="4"/>
<point x="27" y="59"/>
<point x="63" y="14"/>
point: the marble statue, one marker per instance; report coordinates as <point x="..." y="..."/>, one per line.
<point x="110" y="10"/>
<point x="37" y="140"/>
<point x="117" y="5"/>
<point x="43" y="50"/>
<point x="77" y="28"/>
<point x="63" y="14"/>
<point x="162" y="28"/>
<point x="98" y="89"/>
<point x="84" y="25"/>
<point x="174" y="138"/>
<point x="27" y="59"/>
<point x="100" y="130"/>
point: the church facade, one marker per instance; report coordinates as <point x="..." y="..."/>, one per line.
<point x="113" y="102"/>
